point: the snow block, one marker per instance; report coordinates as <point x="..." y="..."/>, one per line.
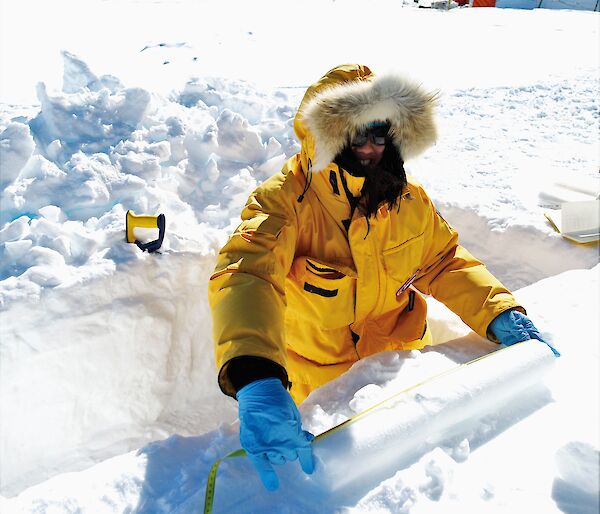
<point x="392" y="435"/>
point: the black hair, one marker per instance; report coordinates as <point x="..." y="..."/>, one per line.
<point x="384" y="183"/>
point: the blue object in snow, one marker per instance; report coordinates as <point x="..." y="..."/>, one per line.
<point x="513" y="326"/>
<point x="271" y="429"/>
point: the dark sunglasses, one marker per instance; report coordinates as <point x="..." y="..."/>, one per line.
<point x="377" y="136"/>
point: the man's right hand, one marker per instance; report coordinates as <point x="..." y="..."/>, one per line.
<point x="271" y="429"/>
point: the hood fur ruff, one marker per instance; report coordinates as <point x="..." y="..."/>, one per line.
<point x="337" y="114"/>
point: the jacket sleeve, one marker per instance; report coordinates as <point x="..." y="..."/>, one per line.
<point x="457" y="279"/>
<point x="247" y="290"/>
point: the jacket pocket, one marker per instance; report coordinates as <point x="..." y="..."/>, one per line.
<point x="403" y="261"/>
<point x="320" y="294"/>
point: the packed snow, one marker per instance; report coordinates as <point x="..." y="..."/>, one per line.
<point x="108" y="394"/>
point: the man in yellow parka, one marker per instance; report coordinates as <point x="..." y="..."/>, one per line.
<point x="332" y="258"/>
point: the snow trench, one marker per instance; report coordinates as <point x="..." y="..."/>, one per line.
<point x="518" y="255"/>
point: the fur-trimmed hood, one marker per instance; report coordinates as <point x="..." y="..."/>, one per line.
<point x="347" y="98"/>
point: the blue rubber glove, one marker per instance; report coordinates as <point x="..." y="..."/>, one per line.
<point x="513" y="326"/>
<point x="271" y="429"/>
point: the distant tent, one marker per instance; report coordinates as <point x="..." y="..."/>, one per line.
<point x="580" y="5"/>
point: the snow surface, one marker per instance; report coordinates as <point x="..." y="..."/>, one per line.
<point x="108" y="395"/>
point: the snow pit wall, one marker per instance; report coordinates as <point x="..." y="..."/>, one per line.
<point x="99" y="369"/>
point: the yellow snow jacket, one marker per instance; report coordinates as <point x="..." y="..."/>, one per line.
<point x="303" y="284"/>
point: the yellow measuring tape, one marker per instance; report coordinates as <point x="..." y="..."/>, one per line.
<point x="209" y="495"/>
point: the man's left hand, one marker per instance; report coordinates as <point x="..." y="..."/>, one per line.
<point x="512" y="327"/>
